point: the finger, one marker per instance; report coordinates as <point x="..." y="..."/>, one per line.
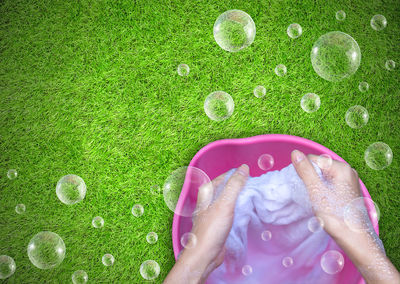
<point x="305" y="170"/>
<point x="233" y="187"/>
<point x="206" y="193"/>
<point x="336" y="172"/>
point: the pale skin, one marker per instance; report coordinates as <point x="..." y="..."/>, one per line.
<point x="213" y="221"/>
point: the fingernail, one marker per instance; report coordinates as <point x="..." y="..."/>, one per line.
<point x="298" y="156"/>
<point x="243" y="170"/>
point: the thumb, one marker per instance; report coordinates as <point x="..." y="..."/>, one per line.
<point x="305" y="170"/>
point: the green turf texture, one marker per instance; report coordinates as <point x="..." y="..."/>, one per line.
<point x="91" y="88"/>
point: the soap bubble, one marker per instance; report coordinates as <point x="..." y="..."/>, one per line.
<point x="20" y="208"/>
<point x="71" y="189"/>
<point x="188" y="240"/>
<point x="356" y="214"/>
<point x="332" y="262"/>
<point x="219" y="106"/>
<point x="183" y="69"/>
<point x="390" y="65"/>
<point x="363" y="87"/>
<point x="340" y="15"/>
<point x="7" y="266"/>
<point x="287" y="261"/>
<point x="266" y="235"/>
<point x="315" y="224"/>
<point x="294" y="30"/>
<point x="46" y="250"/>
<point x="80" y="277"/>
<point x="357" y="116"/>
<point x="234" y="30"/>
<point x="108" y="259"/>
<point x="378" y="156"/>
<point x="98" y="222"/>
<point x="152" y="238"/>
<point x="247" y="270"/>
<point x="265" y="162"/>
<point x="259" y="91"/>
<point x="149" y="269"/>
<point x="12" y="174"/>
<point x="173" y="185"/>
<point x="378" y="22"/>
<point x="280" y="70"/>
<point x="137" y="210"/>
<point x="324" y="161"/>
<point x="335" y="56"/>
<point x="310" y="102"/>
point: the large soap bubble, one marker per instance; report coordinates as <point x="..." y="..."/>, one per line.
<point x="219" y="106"/>
<point x="149" y="270"/>
<point x="46" y="250"/>
<point x="335" y="56"/>
<point x="71" y="189"/>
<point x="234" y="30"/>
<point x="378" y="156"/>
<point x="7" y="266"/>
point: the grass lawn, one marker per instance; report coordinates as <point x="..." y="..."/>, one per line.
<point x="90" y="88"/>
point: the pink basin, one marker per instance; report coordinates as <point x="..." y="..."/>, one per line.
<point x="223" y="155"/>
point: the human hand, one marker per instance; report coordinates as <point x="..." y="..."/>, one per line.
<point x="212" y="223"/>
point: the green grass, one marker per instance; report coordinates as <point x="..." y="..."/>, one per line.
<point x="91" y="88"/>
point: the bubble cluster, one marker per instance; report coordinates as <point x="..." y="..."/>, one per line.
<point x="46" y="250"/>
<point x="183" y="69"/>
<point x="378" y="22"/>
<point x="234" y="30"/>
<point x="315" y="224"/>
<point x="390" y="65"/>
<point x="80" y="277"/>
<point x="265" y="162"/>
<point x="363" y="87"/>
<point x="108" y="259"/>
<point x="356" y="215"/>
<point x="357" y="116"/>
<point x="219" y="106"/>
<point x="7" y="266"/>
<point x="12" y="174"/>
<point x="149" y="270"/>
<point x="189" y="240"/>
<point x="378" y="156"/>
<point x="71" y="189"/>
<point x="266" y="236"/>
<point x="332" y="262"/>
<point x="335" y="56"/>
<point x="98" y="222"/>
<point x="259" y="91"/>
<point x="137" y="210"/>
<point x="310" y="102"/>
<point x="340" y="15"/>
<point x="324" y="161"/>
<point x="247" y="270"/>
<point x="294" y="30"/>
<point x="20" y="208"/>
<point x="280" y="70"/>
<point x="287" y="261"/>
<point x="152" y="238"/>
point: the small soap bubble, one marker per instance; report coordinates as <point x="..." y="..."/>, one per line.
<point x="259" y="91"/>
<point x="7" y="266"/>
<point x="149" y="269"/>
<point x="98" y="222"/>
<point x="280" y="70"/>
<point x="247" y="270"/>
<point x="183" y="69"/>
<point x="294" y="30"/>
<point x="234" y="30"/>
<point x="356" y="215"/>
<point x="137" y="210"/>
<point x="310" y="102"/>
<point x="378" y="156"/>
<point x="324" y="161"/>
<point x="378" y="22"/>
<point x="152" y="238"/>
<point x="188" y="240"/>
<point x="390" y="65"/>
<point x="332" y="262"/>
<point x="315" y="224"/>
<point x="265" y="162"/>
<point x="357" y="116"/>
<point x="71" y="189"/>
<point x="80" y="277"/>
<point x="46" y="250"/>
<point x="12" y="174"/>
<point x="287" y="261"/>
<point x="340" y="15"/>
<point x="219" y="106"/>
<point x="20" y="208"/>
<point x="363" y="87"/>
<point x="108" y="260"/>
<point x="266" y="235"/>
